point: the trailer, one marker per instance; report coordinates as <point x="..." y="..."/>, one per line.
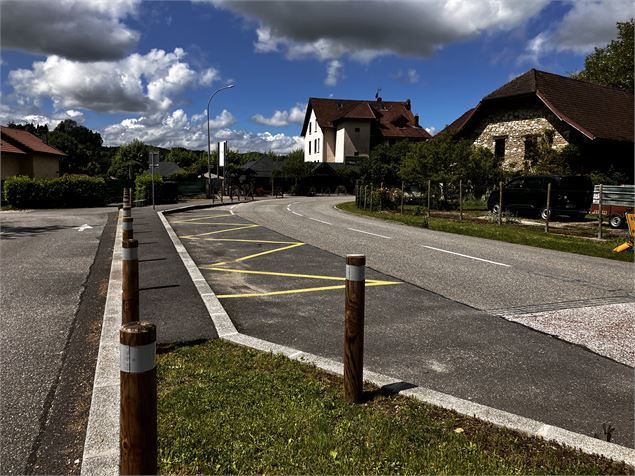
<point x="617" y="200"/>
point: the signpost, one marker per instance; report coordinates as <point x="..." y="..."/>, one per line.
<point x="222" y="153"/>
<point x="154" y="162"/>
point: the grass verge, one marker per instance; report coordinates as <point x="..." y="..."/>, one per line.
<point x="511" y="233"/>
<point x="227" y="409"/>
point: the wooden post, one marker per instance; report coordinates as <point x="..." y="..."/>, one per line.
<point x="460" y="200"/>
<point x="365" y="195"/>
<point x="600" y="213"/>
<point x="126" y="196"/>
<point x="127" y="211"/>
<point x="138" y="399"/>
<point x="500" y="203"/>
<point x="402" y="189"/>
<point x="354" y="328"/>
<point x="272" y="187"/>
<point x="130" y="281"/>
<point x="548" y="207"/>
<point x="370" y="206"/>
<point x="429" y="184"/>
<point x="126" y="227"/>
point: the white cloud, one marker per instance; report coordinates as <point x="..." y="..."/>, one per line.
<point x="411" y="76"/>
<point x="313" y="28"/>
<point x="208" y="76"/>
<point x="8" y="114"/>
<point x="282" y="118"/>
<point x="80" y="30"/>
<point x="431" y="130"/>
<point x="175" y="129"/>
<point x="589" y="24"/>
<point x="137" y="83"/>
<point x="333" y="72"/>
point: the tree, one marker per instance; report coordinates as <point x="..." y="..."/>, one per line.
<point x="296" y="171"/>
<point x="131" y="157"/>
<point x="382" y="165"/>
<point x="612" y="65"/>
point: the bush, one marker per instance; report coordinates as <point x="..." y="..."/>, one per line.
<point x="63" y="192"/>
<point x="143" y="188"/>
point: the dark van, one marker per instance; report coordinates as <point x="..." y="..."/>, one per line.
<point x="570" y="195"/>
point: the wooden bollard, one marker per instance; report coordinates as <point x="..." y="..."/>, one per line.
<point x="138" y="399"/>
<point x="126" y="196"/>
<point x="126" y="227"/>
<point x="127" y="211"/>
<point x="130" y="282"/>
<point x="354" y="328"/>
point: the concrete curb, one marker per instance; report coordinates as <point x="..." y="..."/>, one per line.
<point x="228" y="332"/>
<point x="101" y="446"/>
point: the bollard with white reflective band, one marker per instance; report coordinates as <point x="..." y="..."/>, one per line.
<point x="130" y="281"/>
<point x="126" y="227"/>
<point x="127" y="211"/>
<point x="354" y="328"/>
<point x="138" y="399"/>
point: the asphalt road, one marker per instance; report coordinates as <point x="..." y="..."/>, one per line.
<point x="46" y="257"/>
<point x="490" y="275"/>
<point x="283" y="290"/>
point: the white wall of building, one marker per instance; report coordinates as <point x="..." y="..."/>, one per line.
<point x="314" y="139"/>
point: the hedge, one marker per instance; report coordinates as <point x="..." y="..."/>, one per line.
<point x="63" y="192"/>
<point x="164" y="192"/>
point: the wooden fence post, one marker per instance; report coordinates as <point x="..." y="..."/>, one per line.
<point x="429" y="185"/>
<point x="600" y="213"/>
<point x="354" y="328"/>
<point x="548" y="215"/>
<point x="460" y="200"/>
<point x="500" y="203"/>
<point x="402" y="191"/>
<point x="138" y="399"/>
<point x="130" y="282"/>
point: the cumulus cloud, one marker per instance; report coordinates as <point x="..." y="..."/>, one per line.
<point x="82" y="30"/>
<point x="411" y="76"/>
<point x="406" y="27"/>
<point x="333" y="72"/>
<point x="137" y="83"/>
<point x="9" y="114"/>
<point x="176" y="129"/>
<point x="208" y="76"/>
<point x="282" y="118"/>
<point x="588" y="24"/>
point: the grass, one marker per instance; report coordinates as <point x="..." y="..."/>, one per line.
<point x="225" y="409"/>
<point x="509" y="232"/>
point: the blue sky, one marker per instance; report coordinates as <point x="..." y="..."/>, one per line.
<point x="132" y="69"/>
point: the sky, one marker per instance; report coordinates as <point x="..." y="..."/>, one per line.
<point x="146" y="70"/>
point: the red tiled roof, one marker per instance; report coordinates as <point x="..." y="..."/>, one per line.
<point x="6" y="148"/>
<point x="458" y="124"/>
<point x="394" y="118"/>
<point x="24" y="139"/>
<point x="598" y="112"/>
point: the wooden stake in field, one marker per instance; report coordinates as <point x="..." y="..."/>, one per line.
<point x="500" y="203"/>
<point x="547" y="215"/>
<point x="600" y="213"/>
<point x="138" y="399"/>
<point x="130" y="282"/>
<point x="354" y="328"/>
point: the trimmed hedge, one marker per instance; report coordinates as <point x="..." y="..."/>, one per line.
<point x="63" y="192"/>
<point x="164" y="192"/>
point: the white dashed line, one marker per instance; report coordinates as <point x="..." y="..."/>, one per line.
<point x="369" y="233"/>
<point x="321" y="221"/>
<point x="296" y="213"/>
<point x="468" y="256"/>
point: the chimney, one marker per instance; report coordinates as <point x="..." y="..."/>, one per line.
<point x="416" y="120"/>
<point x="408" y="104"/>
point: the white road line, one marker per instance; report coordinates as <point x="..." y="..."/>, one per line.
<point x="296" y="213"/>
<point x="468" y="256"/>
<point x="321" y="221"/>
<point x="369" y="233"/>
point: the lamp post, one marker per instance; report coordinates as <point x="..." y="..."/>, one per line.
<point x="209" y="152"/>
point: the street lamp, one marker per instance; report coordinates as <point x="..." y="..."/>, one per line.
<point x="209" y="152"/>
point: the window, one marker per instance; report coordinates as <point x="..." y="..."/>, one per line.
<point x="499" y="147"/>
<point x="357" y="129"/>
<point x="309" y="127"/>
<point x="356" y="153"/>
<point x="531" y="147"/>
<point x="309" y="147"/>
<point x="516" y="183"/>
<point x="315" y="146"/>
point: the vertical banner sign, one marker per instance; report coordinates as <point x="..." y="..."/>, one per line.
<point x="222" y="153"/>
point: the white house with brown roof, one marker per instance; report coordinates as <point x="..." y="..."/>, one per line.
<point x="343" y="130"/>
<point x="22" y="153"/>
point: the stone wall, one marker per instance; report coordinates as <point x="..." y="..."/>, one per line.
<point x="515" y="125"/>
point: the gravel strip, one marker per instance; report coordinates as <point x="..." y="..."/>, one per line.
<point x="607" y="330"/>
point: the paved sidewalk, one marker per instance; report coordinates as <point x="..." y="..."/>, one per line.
<point x="167" y="296"/>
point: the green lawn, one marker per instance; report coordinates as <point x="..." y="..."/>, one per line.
<point x="225" y="409"/>
<point x="509" y="232"/>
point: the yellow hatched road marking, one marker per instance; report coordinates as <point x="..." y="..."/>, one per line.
<point x="305" y="290"/>
<point x="204" y="218"/>
<point x="236" y="228"/>
<point x="208" y="223"/>
<point x="253" y="241"/>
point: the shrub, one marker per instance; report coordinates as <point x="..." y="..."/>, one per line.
<point x="143" y="187"/>
<point x="66" y="191"/>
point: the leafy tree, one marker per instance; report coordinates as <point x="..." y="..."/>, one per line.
<point x="131" y="157"/>
<point x="296" y="171"/>
<point x="81" y="145"/>
<point x="183" y="157"/>
<point x="613" y="64"/>
<point x="382" y="165"/>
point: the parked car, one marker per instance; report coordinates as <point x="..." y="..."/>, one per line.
<point x="570" y="195"/>
<point x="617" y="200"/>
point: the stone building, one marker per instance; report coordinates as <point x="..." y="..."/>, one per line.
<point x="345" y="130"/>
<point x="540" y="106"/>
